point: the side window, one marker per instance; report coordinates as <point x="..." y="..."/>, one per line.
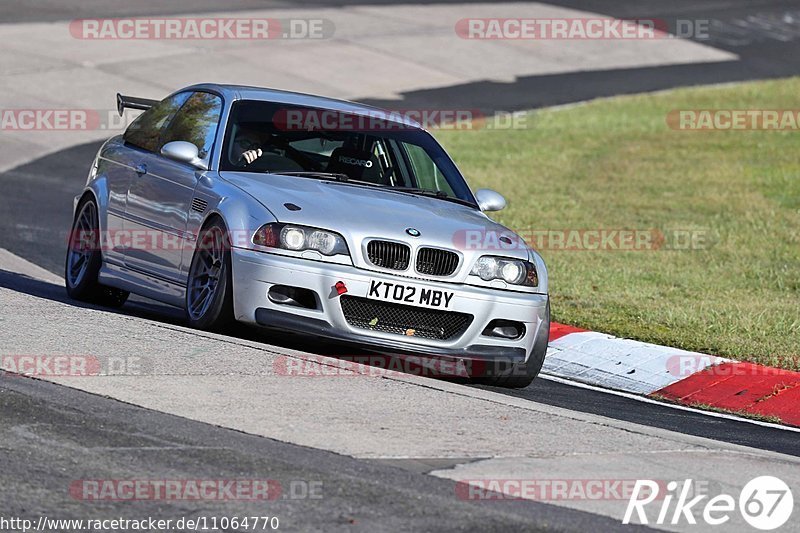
<point x="145" y="131"/>
<point x="196" y="122"/>
<point x="425" y="170"/>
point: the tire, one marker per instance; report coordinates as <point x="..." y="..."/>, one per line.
<point x="209" y="289"/>
<point x="520" y="375"/>
<point x="84" y="259"/>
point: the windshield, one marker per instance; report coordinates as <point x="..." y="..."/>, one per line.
<point x="268" y="137"/>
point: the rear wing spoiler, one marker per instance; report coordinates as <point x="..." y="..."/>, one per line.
<point x="132" y="102"/>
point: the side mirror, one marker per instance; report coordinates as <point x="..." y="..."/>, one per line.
<point x="489" y="200"/>
<point x="183" y="152"/>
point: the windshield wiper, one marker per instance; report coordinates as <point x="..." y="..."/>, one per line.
<point x="441" y="195"/>
<point x="341" y="178"/>
<point x="344" y="178"/>
<point x="312" y="174"/>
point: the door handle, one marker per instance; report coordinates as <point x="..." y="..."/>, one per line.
<point x="141" y="169"/>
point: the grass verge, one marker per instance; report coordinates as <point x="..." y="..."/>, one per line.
<point x="615" y="164"/>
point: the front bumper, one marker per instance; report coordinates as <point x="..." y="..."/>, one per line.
<point x="254" y="273"/>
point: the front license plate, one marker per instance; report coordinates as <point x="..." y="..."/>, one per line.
<point x="409" y="294"/>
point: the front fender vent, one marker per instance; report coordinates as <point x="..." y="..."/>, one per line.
<point x="199" y="205"/>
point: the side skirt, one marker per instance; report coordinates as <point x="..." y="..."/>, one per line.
<point x="143" y="284"/>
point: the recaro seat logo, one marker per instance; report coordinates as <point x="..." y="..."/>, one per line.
<point x="353" y="161"/>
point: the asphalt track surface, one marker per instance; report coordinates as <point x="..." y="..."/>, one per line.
<point x="764" y="51"/>
<point x="60" y="428"/>
<point x="39" y="194"/>
<point x="73" y="435"/>
<point x="541" y="391"/>
<point x="56" y="425"/>
<point x="53" y="10"/>
<point x="767" y="46"/>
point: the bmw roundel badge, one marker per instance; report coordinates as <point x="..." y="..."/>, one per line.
<point x="413" y="232"/>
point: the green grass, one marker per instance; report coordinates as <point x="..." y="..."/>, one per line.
<point x="616" y="164"/>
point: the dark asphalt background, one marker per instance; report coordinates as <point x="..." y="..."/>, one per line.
<point x="51" y="434"/>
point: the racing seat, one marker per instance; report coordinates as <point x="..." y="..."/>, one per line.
<point x="357" y="164"/>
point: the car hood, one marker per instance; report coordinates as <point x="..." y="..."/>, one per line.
<point x="362" y="212"/>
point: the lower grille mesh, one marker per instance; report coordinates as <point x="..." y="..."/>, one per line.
<point x="403" y="319"/>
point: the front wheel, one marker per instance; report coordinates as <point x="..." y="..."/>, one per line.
<point x="84" y="260"/>
<point x="209" y="291"/>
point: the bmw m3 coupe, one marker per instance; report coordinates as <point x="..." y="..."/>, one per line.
<point x="308" y="215"/>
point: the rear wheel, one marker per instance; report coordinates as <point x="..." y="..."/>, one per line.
<point x="84" y="260"/>
<point x="209" y="291"/>
<point x="520" y="375"/>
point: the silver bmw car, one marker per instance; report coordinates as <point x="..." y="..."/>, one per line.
<point x="309" y="215"/>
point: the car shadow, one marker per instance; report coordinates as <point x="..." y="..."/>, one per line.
<point x="144" y="308"/>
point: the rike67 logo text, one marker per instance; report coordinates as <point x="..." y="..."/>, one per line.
<point x="765" y="503"/>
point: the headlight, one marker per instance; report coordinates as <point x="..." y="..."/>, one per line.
<point x="293" y="238"/>
<point x="300" y="238"/>
<point x="512" y="271"/>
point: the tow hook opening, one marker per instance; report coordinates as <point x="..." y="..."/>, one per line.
<point x="504" y="329"/>
<point x="293" y="296"/>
